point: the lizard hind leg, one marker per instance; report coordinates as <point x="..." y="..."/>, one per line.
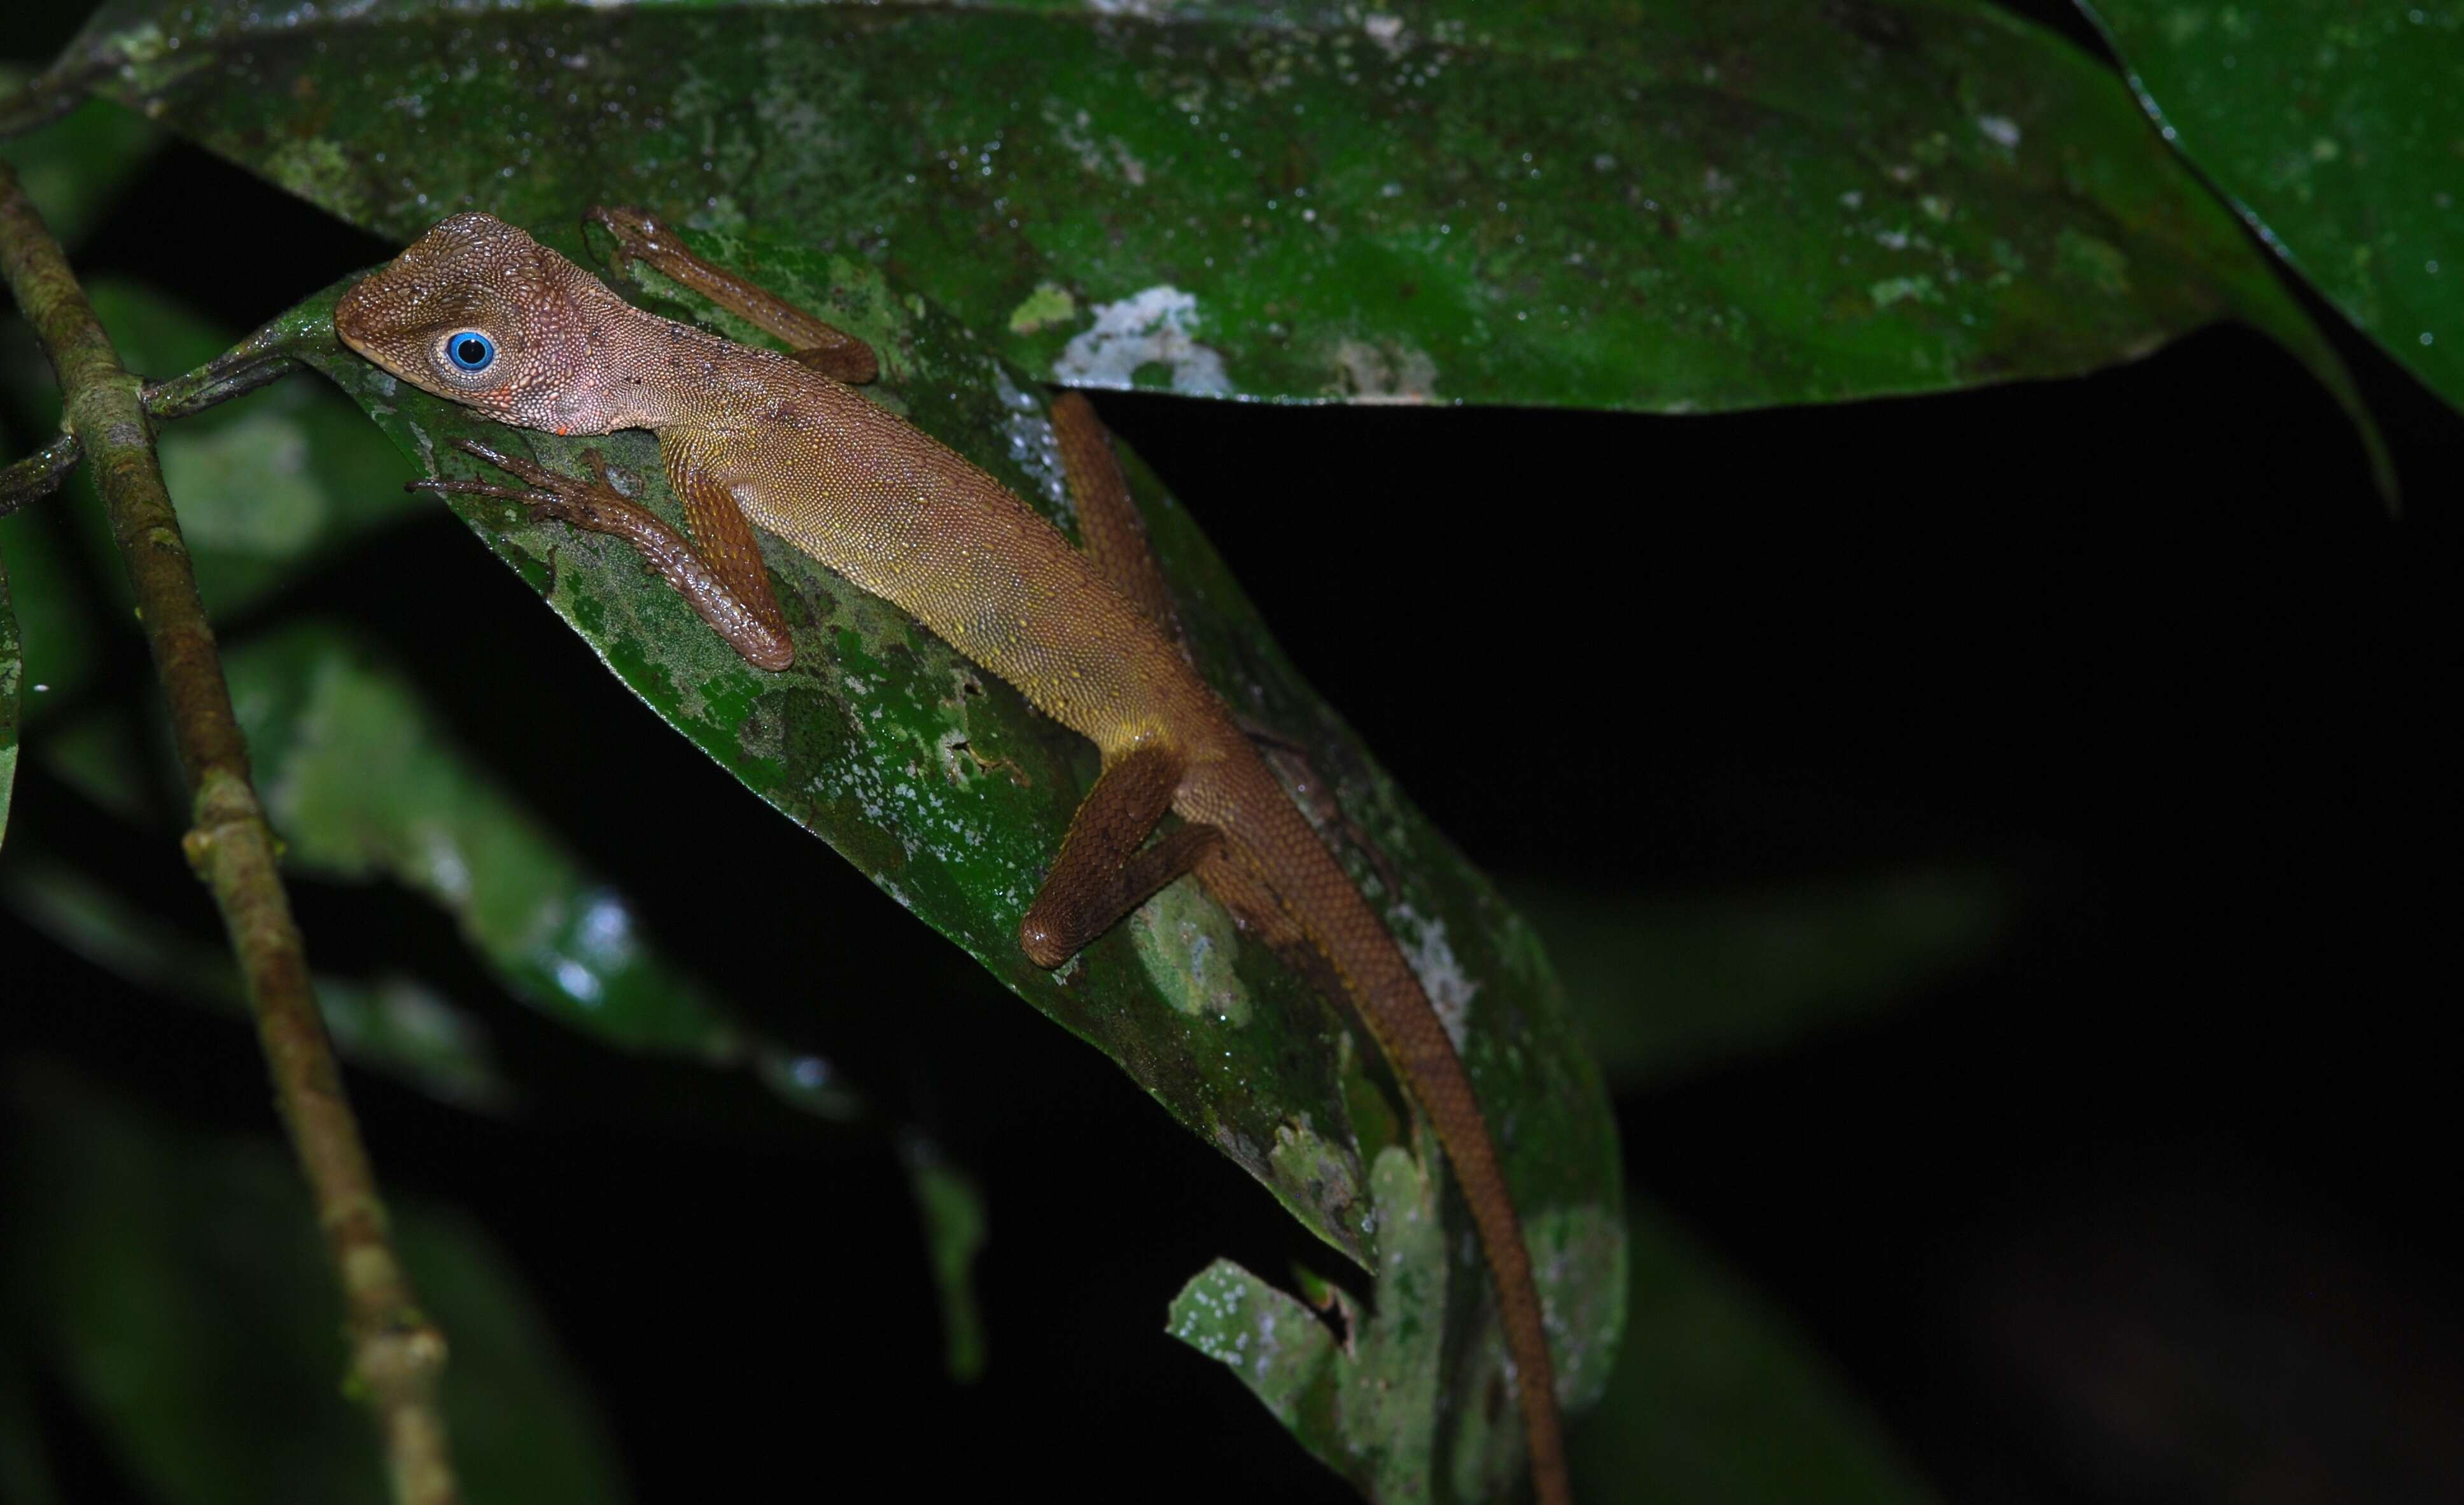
<point x="811" y="341"/>
<point x="1110" y="531"/>
<point x="1104" y="870"/>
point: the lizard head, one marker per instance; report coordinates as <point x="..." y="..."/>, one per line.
<point x="478" y="312"/>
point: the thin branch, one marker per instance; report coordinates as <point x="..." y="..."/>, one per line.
<point x="397" y="1354"/>
<point x="232" y="374"/>
<point x="38" y="474"/>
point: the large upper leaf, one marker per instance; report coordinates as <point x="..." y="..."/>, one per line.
<point x="1674" y="206"/>
<point x="939" y="782"/>
<point x="2339" y="130"/>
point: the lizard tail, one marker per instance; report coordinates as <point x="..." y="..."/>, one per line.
<point x="1318" y="898"/>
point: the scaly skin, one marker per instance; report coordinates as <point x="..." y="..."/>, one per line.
<point x="744" y="431"/>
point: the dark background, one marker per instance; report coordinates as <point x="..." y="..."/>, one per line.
<point x="2153" y="1206"/>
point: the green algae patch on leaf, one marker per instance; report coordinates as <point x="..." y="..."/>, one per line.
<point x="1622" y="204"/>
<point x="941" y="785"/>
<point x="2337" y="131"/>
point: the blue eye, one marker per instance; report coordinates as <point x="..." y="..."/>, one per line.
<point x="470" y="350"/>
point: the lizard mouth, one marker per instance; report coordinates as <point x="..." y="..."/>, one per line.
<point x="350" y="317"/>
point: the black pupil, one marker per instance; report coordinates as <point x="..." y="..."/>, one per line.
<point x="470" y="350"/>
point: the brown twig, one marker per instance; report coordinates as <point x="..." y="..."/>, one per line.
<point x="397" y="1354"/>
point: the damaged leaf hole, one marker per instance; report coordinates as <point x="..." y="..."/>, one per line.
<point x="959" y="759"/>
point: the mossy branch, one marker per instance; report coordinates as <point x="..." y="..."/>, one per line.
<point x="398" y="1354"/>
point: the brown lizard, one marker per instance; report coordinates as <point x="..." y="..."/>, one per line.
<point x="478" y="312"/>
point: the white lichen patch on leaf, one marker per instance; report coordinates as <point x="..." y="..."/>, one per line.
<point x="1154" y="327"/>
<point x="1424" y="944"/>
<point x="1187" y="945"/>
<point x="1579" y="1258"/>
<point x="1904" y="290"/>
<point x="1372" y="373"/>
<point x="1032" y="444"/>
<point x="1321" y="1172"/>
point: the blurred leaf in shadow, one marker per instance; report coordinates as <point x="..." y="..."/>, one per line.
<point x="175" y="1287"/>
<point x="364" y="785"/>
<point x="75" y="168"/>
<point x="953" y="1213"/>
<point x="1719" y="1400"/>
<point x="25" y="1466"/>
<point x="391" y="1024"/>
<point x="1666" y="986"/>
<point x="268" y="489"/>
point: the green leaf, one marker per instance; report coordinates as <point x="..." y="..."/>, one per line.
<point x="176" y="1287"/>
<point x="1720" y="1401"/>
<point x="2337" y="131"/>
<point x="1667" y="985"/>
<point x="941" y="784"/>
<point x="1621" y="204"/>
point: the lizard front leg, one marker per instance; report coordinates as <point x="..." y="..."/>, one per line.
<point x="820" y="345"/>
<point x="737" y="602"/>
